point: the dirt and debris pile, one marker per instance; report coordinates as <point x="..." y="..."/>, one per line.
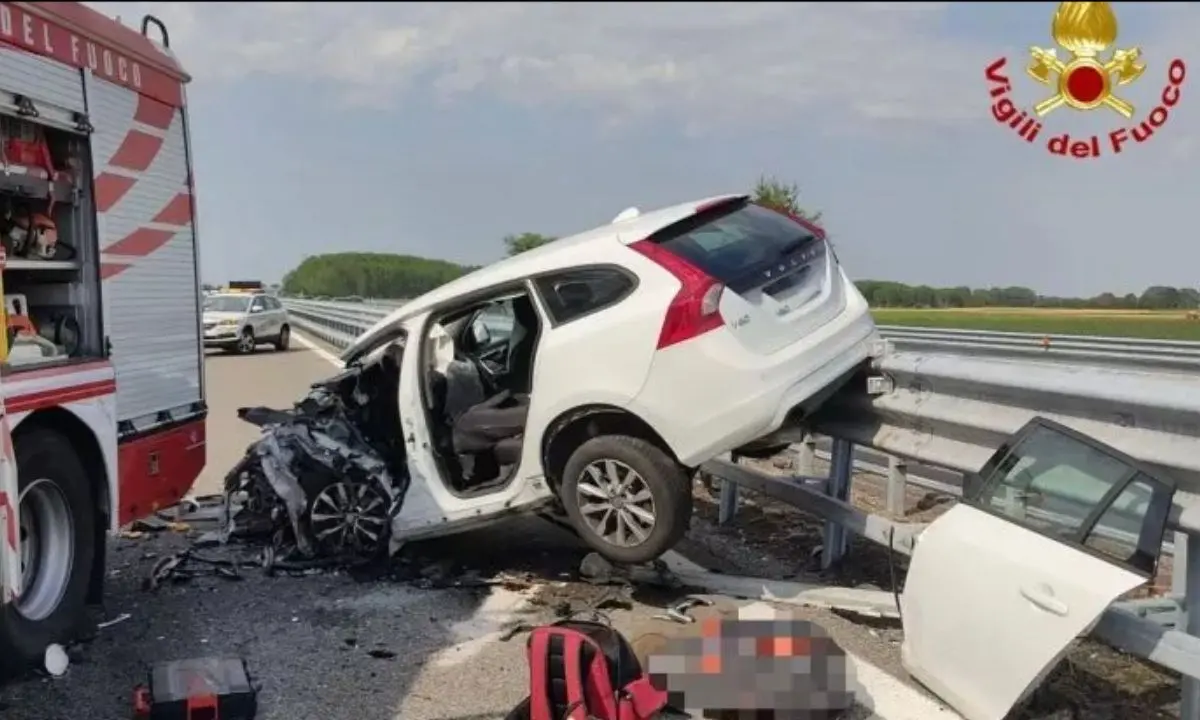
<point x="327" y="478"/>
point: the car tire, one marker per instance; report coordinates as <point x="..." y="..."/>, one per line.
<point x="284" y="340"/>
<point x="56" y="503"/>
<point x="670" y="495"/>
<point x="246" y="342"/>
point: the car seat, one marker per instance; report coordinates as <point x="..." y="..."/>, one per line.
<point x="521" y="346"/>
<point x="488" y="436"/>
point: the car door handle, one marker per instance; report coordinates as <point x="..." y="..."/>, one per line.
<point x="1045" y="600"/>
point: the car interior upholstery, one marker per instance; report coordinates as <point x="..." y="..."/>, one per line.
<point x="478" y="408"/>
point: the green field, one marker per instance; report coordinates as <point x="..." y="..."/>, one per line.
<point x="1162" y="325"/>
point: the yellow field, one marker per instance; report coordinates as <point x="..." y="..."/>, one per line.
<point x="1151" y="324"/>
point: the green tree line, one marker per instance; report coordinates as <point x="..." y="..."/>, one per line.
<point x="374" y="275"/>
<point x="889" y="294"/>
<point x="384" y="275"/>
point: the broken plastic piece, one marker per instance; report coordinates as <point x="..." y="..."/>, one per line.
<point x="56" y="660"/>
<point x="109" y="623"/>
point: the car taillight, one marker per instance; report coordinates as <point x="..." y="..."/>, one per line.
<point x="695" y="309"/>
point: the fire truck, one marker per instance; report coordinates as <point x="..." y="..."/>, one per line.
<point x="101" y="361"/>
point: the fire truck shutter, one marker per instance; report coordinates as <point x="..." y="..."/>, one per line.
<point x="46" y="82"/>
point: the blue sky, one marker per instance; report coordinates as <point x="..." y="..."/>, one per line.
<point x="436" y="129"/>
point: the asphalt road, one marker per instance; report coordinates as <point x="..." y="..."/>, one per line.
<point x="312" y="642"/>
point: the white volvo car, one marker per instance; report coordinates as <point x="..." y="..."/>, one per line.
<point x="596" y="372"/>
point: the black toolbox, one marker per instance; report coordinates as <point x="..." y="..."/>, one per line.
<point x="212" y="688"/>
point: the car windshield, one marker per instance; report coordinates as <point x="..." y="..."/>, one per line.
<point x="227" y="303"/>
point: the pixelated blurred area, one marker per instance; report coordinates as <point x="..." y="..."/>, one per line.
<point x="753" y="661"/>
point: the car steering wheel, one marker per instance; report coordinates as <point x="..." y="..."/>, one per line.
<point x="487" y="377"/>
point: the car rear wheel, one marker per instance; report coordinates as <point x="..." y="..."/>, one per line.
<point x="246" y="342"/>
<point x="626" y="498"/>
<point x="284" y="340"/>
<point x="57" y="524"/>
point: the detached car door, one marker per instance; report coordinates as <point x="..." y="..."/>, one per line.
<point x="1058" y="526"/>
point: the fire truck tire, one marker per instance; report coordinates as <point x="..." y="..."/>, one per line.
<point x="284" y="339"/>
<point x="58" y="522"/>
<point x="246" y="343"/>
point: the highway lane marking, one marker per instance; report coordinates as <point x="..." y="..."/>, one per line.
<point x="886" y="696"/>
<point x="318" y="350"/>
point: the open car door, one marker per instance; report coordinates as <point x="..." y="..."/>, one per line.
<point x="1058" y="526"/>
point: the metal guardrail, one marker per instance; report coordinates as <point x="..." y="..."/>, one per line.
<point x="1132" y="353"/>
<point x="946" y="400"/>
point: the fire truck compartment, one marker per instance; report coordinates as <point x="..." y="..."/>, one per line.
<point x="97" y="225"/>
<point x="51" y="283"/>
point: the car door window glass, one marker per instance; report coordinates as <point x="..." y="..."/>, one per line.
<point x="272" y="303"/>
<point x="491" y="326"/>
<point x="257" y="305"/>
<point x="1130" y="530"/>
<point x="574" y="294"/>
<point x="489" y="332"/>
<point x="1052" y="482"/>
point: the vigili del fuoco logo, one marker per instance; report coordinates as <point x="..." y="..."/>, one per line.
<point x="1088" y="78"/>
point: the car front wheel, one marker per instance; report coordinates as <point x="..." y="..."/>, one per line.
<point x="626" y="498"/>
<point x="246" y="342"/>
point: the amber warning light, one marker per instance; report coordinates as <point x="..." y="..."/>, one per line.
<point x="1088" y="77"/>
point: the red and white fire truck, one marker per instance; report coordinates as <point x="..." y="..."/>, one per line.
<point x="102" y="363"/>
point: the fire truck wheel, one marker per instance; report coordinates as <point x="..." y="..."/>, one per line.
<point x="57" y="522"/>
<point x="285" y="339"/>
<point x="246" y="342"/>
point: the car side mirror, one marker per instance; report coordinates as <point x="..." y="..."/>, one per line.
<point x="256" y="309"/>
<point x="481" y="334"/>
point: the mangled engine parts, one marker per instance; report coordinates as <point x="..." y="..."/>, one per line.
<point x="319" y="482"/>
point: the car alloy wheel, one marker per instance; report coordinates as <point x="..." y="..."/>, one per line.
<point x="616" y="503"/>
<point x="246" y="342"/>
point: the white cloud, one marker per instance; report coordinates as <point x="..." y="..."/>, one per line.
<point x="702" y="63"/>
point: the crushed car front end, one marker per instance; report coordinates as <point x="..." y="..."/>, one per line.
<point x="327" y="477"/>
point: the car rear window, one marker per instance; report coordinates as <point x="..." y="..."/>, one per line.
<point x="735" y="242"/>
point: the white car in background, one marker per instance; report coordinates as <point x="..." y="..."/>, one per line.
<point x="241" y="321"/>
<point x="598" y="371"/>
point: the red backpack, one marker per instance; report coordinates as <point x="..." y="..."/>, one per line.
<point x="582" y="670"/>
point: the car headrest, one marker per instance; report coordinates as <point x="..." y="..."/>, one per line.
<point x="441" y="349"/>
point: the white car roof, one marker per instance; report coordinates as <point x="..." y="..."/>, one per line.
<point x="566" y="252"/>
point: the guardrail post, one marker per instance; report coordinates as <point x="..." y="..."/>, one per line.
<point x="1189" y="708"/>
<point x="1179" y="573"/>
<point x="897" y="486"/>
<point x="841" y="470"/>
<point x="728" y="505"/>
<point x="806" y="456"/>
